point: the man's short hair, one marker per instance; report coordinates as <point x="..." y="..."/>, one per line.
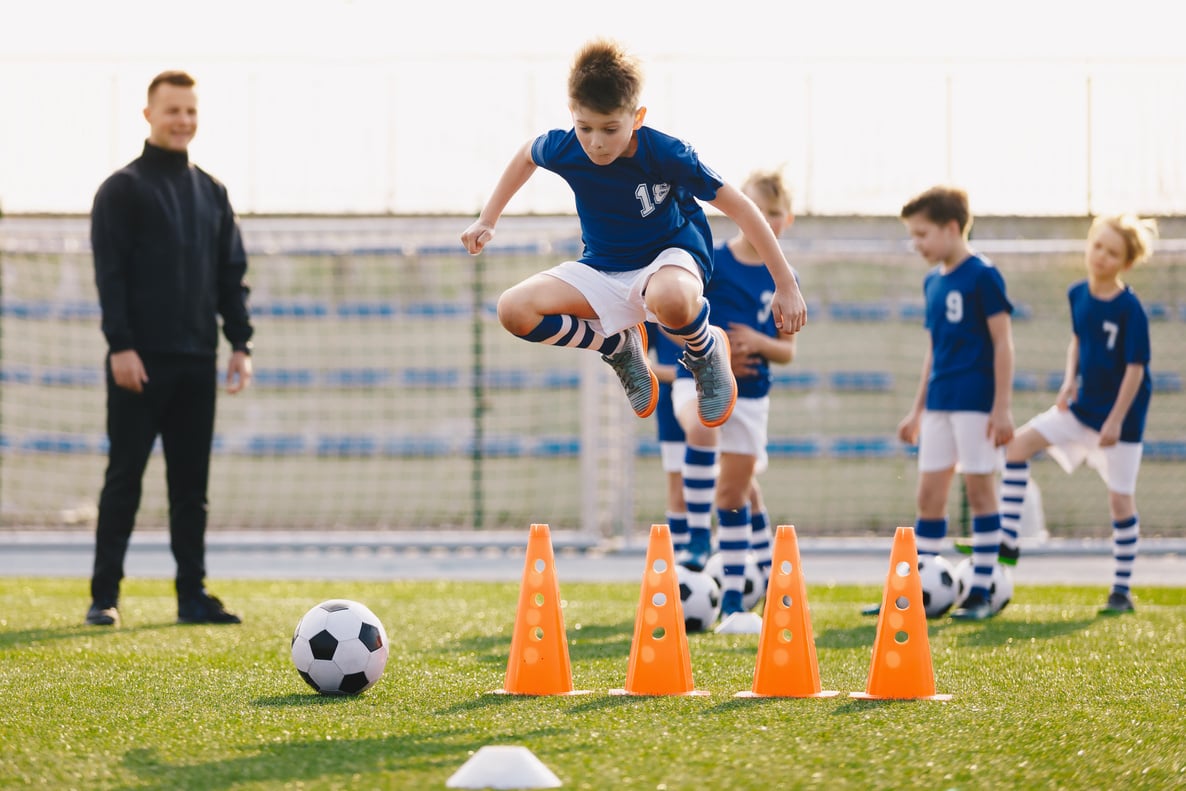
<point x="172" y="77"/>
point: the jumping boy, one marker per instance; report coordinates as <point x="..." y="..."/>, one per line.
<point x="648" y="246"/>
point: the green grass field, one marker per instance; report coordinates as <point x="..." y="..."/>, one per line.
<point x="1047" y="695"/>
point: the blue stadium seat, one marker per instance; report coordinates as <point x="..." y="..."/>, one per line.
<point x="863" y="381"/>
<point x="1165" y="450"/>
<point x="557" y="447"/>
<point x="365" y="310"/>
<point x="506" y="378"/>
<point x="16" y="374"/>
<point x="865" y="447"/>
<point x="429" y="377"/>
<point x="794" y="447"/>
<point x="26" y="308"/>
<point x="295" y="309"/>
<point x="795" y="380"/>
<point x="1025" y="381"/>
<point x="356" y="377"/>
<point x="1166" y="381"/>
<point x="347" y="445"/>
<point x="647" y="446"/>
<point x="1158" y="311"/>
<point x="437" y="310"/>
<point x="418" y="446"/>
<point x="74" y="310"/>
<point x="912" y="311"/>
<point x="275" y="445"/>
<point x="284" y="377"/>
<point x="59" y="443"/>
<point x="560" y="379"/>
<point x="859" y="311"/>
<point x="72" y="377"/>
<point x="511" y="446"/>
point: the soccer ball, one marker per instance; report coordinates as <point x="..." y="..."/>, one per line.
<point x="339" y="647"/>
<point x="755" y="582"/>
<point x="938" y="584"/>
<point x="700" y="597"/>
<point x="999" y="592"/>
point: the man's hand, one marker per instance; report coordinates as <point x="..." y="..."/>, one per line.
<point x="477" y="236"/>
<point x="238" y="372"/>
<point x="128" y="370"/>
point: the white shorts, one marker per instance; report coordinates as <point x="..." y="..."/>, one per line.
<point x="1072" y="443"/>
<point x="948" y="439"/>
<point x="743" y="433"/>
<point x="616" y="297"/>
<point x="672" y="454"/>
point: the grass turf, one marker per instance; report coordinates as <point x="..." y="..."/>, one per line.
<point x="1047" y="695"/>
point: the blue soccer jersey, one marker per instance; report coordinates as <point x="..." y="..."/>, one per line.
<point x="959" y="305"/>
<point x="1113" y="334"/>
<point x="635" y="207"/>
<point x="742" y="294"/>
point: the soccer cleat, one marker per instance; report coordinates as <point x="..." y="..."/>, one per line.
<point x="740" y="623"/>
<point x="631" y="366"/>
<point x="1118" y="604"/>
<point x="975" y="608"/>
<point x="872" y="609"/>
<point x="731" y="602"/>
<point x="1007" y="555"/>
<point x="102" y="615"/>
<point x="203" y="608"/>
<point x="693" y="557"/>
<point x="716" y="389"/>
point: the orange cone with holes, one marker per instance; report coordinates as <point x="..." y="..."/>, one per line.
<point x="538" y="664"/>
<point x="786" y="665"/>
<point x="901" y="668"/>
<point x="660" y="663"/>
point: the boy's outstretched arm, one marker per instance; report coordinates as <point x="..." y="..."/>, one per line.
<point x="788" y="308"/>
<point x="515" y="176"/>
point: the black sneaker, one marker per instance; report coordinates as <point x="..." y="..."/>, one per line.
<point x="975" y="608"/>
<point x="1007" y="555"/>
<point x="1118" y="604"/>
<point x="203" y="608"/>
<point x="102" y="615"/>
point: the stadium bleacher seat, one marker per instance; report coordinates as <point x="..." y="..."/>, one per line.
<point x="859" y="311"/>
<point x="347" y="445"/>
<point x="794" y="447"/>
<point x="863" y="381"/>
<point x="865" y="447"/>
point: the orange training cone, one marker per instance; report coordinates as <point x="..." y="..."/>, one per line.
<point x="786" y="666"/>
<point x="538" y="664"/>
<point x="659" y="660"/>
<point x="901" y="666"/>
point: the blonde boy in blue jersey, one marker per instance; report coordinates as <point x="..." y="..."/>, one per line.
<point x="721" y="464"/>
<point x="962" y="411"/>
<point x="1100" y="420"/>
<point x="647" y="243"/>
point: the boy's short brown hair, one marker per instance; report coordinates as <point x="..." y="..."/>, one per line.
<point x="941" y="205"/>
<point x="172" y="77"/>
<point x="605" y="78"/>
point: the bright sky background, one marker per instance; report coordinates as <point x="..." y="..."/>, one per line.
<point x="385" y="105"/>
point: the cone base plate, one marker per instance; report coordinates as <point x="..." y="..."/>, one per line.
<point x="540" y="694"/>
<point x="827" y="693"/>
<point x="696" y="693"/>
<point x="867" y="696"/>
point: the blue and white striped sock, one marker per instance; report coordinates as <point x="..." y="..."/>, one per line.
<point x="573" y="332"/>
<point x="733" y="528"/>
<point x="1126" y="536"/>
<point x="759" y="539"/>
<point x="678" y="525"/>
<point x="697" y="338"/>
<point x="1014" y="481"/>
<point x="986" y="543"/>
<point x="929" y="535"/>
<point x="700" y="482"/>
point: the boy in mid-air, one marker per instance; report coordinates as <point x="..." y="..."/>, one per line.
<point x="648" y="246"/>
<point x="962" y="411"/>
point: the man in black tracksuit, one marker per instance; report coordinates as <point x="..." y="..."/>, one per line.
<point x="168" y="261"/>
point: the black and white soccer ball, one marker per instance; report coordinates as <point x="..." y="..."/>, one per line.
<point x="339" y="647"/>
<point x="1000" y="592"/>
<point x="700" y="598"/>
<point x="938" y="584"/>
<point x="755" y="582"/>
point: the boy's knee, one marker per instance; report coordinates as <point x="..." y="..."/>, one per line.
<point x="513" y="314"/>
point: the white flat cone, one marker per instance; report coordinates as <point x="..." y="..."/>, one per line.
<point x="741" y="623"/>
<point x="503" y="766"/>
